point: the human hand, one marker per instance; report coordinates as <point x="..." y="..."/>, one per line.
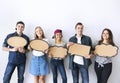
<point x="46" y="51"/>
<point x="21" y="49"/>
<point x="88" y="56"/>
<point x="63" y="57"/>
<point x="69" y="44"/>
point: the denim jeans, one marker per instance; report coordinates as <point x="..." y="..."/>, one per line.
<point x="58" y="64"/>
<point x="84" y="73"/>
<point x="10" y="69"/>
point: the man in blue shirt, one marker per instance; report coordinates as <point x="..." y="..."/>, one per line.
<point x="17" y="56"/>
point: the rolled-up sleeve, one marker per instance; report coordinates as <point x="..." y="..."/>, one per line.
<point x="5" y="44"/>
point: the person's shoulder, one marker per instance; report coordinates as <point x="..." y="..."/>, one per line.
<point x="64" y="43"/>
<point x="45" y="39"/>
<point x="86" y="36"/>
<point x="73" y="37"/>
<point x="52" y="43"/>
<point x="11" y="34"/>
<point x="25" y="36"/>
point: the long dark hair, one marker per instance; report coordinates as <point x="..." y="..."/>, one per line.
<point x="110" y="39"/>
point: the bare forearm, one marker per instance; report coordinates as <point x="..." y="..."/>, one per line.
<point x="5" y="49"/>
<point x="9" y="49"/>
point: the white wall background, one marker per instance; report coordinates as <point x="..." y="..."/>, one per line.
<point x="64" y="14"/>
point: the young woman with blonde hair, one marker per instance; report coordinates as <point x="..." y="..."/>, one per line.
<point x="39" y="66"/>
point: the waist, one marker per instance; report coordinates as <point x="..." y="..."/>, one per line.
<point x="57" y="58"/>
<point x="33" y="56"/>
<point x="17" y="59"/>
<point x="37" y="53"/>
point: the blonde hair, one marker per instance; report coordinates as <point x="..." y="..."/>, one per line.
<point x="35" y="36"/>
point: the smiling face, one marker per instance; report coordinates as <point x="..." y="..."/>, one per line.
<point x="20" y="28"/>
<point x="105" y="35"/>
<point x="39" y="33"/>
<point x="58" y="36"/>
<point x="79" y="29"/>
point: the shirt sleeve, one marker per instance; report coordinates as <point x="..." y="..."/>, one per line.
<point x="5" y="44"/>
<point x="28" y="41"/>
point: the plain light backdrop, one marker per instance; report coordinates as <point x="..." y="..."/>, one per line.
<point x="63" y="14"/>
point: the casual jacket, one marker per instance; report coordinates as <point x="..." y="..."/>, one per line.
<point x="85" y="40"/>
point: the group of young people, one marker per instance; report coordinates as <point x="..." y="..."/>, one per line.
<point x="39" y="64"/>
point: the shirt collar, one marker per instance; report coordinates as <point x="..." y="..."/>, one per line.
<point x="16" y="34"/>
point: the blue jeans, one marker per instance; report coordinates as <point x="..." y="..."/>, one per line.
<point x="58" y="64"/>
<point x="84" y="73"/>
<point x="10" y="69"/>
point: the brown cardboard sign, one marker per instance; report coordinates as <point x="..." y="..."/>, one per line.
<point x="57" y="51"/>
<point x="17" y="41"/>
<point x="106" y="50"/>
<point x="39" y="45"/>
<point x="79" y="49"/>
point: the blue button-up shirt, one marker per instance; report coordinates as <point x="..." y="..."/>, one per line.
<point x="16" y="57"/>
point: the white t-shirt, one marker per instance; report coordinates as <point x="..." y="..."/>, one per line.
<point x="78" y="59"/>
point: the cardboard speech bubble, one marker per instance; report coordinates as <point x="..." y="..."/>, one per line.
<point x="79" y="49"/>
<point x="106" y="50"/>
<point x="57" y="51"/>
<point x="17" y="41"/>
<point x="39" y="45"/>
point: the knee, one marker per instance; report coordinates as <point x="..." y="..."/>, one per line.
<point x="54" y="76"/>
<point x="42" y="78"/>
<point x="21" y="78"/>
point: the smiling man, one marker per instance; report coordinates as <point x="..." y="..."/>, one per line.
<point x="17" y="56"/>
